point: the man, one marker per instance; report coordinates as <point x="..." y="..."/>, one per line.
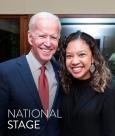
<point x="22" y="108"/>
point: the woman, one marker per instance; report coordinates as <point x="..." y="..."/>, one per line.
<point x="88" y="105"/>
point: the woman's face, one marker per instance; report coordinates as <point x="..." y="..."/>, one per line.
<point x="79" y="59"/>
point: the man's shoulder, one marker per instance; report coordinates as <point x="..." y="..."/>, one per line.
<point x="12" y="61"/>
<point x="11" y="64"/>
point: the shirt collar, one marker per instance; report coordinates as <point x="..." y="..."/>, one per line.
<point x="34" y="63"/>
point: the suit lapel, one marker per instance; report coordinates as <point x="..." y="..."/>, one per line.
<point x="27" y="79"/>
<point x="56" y="70"/>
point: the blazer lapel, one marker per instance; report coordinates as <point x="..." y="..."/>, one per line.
<point x="83" y="100"/>
<point x="28" y="80"/>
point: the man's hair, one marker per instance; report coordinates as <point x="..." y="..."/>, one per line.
<point x="42" y="15"/>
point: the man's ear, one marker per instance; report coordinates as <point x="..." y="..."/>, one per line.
<point x="30" y="40"/>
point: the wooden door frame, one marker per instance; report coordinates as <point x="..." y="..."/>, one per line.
<point x="23" y="30"/>
<point x="24" y="20"/>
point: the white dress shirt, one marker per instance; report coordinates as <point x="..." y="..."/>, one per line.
<point x="35" y="69"/>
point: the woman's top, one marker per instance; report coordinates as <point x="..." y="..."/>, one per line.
<point x="86" y="112"/>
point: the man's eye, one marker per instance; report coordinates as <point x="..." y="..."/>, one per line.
<point x="53" y="37"/>
<point x="42" y="36"/>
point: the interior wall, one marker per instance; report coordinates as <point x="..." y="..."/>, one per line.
<point x="57" y="6"/>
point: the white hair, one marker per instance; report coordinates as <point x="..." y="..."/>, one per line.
<point x="43" y="15"/>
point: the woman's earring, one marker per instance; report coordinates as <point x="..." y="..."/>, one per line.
<point x="92" y="68"/>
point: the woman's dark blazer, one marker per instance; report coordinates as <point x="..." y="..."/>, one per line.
<point x="92" y="114"/>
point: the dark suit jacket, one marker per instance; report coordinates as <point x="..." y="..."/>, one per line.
<point x="91" y="114"/>
<point x="18" y="93"/>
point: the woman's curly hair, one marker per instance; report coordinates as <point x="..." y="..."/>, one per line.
<point x="99" y="78"/>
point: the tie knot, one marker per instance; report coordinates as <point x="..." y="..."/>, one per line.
<point x="43" y="68"/>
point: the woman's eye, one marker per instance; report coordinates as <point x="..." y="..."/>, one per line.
<point x="68" y="56"/>
<point x="82" y="54"/>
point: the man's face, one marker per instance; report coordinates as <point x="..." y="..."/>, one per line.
<point x="44" y="39"/>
